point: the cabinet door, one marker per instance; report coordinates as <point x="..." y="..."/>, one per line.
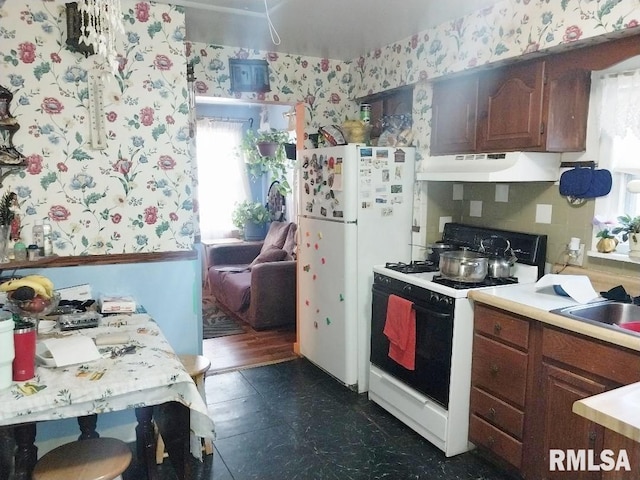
<point x="564" y="429"/>
<point x="568" y="111"/>
<point x="511" y="110"/>
<point x="454" y="115"/>
<point x="616" y="443"/>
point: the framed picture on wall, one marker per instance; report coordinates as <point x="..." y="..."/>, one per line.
<point x="249" y="75"/>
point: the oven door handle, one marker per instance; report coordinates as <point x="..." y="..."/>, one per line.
<point x="418" y="308"/>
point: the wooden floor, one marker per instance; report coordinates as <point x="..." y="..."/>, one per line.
<point x="249" y="349"/>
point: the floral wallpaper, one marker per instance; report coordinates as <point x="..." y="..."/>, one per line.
<point x="508" y="29"/>
<point x="136" y="194"/>
<point x="325" y="86"/>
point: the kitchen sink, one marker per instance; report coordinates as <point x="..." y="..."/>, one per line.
<point x="620" y="316"/>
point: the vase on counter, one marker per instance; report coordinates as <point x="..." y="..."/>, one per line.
<point x="606" y="245"/>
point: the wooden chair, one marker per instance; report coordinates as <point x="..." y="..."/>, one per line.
<point x="196" y="366"/>
<point x="93" y="459"/>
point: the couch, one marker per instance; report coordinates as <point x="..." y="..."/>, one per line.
<point x="256" y="281"/>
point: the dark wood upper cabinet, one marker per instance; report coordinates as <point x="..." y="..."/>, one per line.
<point x="454" y="116"/>
<point x="511" y="107"/>
<point x="517" y="107"/>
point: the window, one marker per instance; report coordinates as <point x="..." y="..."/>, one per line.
<point x="222" y="180"/>
<point x="618" y="96"/>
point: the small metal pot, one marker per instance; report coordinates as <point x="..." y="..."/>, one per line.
<point x="435" y="249"/>
<point x="499" y="267"/>
<point x="463" y="266"/>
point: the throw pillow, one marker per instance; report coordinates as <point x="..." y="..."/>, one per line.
<point x="276" y="236"/>
<point x="271" y="255"/>
<point x="290" y="242"/>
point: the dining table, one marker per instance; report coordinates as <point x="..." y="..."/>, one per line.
<point x="140" y="372"/>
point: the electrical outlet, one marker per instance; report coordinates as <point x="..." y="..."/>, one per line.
<point x="578" y="260"/>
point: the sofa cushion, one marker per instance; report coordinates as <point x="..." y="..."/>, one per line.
<point x="290" y="242"/>
<point x="236" y="287"/>
<point x="276" y="235"/>
<point x="270" y="255"/>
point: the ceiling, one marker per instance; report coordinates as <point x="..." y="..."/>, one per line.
<point x="337" y="29"/>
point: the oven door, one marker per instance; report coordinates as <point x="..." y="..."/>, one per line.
<point x="434" y="334"/>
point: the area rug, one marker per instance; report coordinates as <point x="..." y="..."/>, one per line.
<point x="215" y="321"/>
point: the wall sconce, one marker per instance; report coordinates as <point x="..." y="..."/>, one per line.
<point x="92" y="26"/>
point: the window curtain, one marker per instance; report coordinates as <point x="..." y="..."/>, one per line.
<point x="620" y="120"/>
<point x="222" y="176"/>
<point x="620" y="141"/>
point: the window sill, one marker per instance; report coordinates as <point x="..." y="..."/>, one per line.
<point x="613" y="256"/>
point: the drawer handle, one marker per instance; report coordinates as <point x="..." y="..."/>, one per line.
<point x="491" y="441"/>
<point x="497" y="328"/>
<point x="493" y="369"/>
<point x="492" y="413"/>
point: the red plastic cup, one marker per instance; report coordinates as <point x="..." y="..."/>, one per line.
<point x="24" y="363"/>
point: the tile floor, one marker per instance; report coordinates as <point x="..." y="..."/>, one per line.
<point x="292" y="421"/>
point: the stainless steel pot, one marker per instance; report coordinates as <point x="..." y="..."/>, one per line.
<point x="464" y="266"/>
<point x="499" y="267"/>
<point x="435" y="249"/>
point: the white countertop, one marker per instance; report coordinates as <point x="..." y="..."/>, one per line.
<point x="616" y="409"/>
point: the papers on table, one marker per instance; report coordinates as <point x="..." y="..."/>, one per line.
<point x="577" y="287"/>
<point x="71" y="350"/>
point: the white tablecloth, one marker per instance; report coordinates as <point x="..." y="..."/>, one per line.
<point x="151" y="375"/>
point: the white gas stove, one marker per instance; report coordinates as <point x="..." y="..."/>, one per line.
<point x="433" y="399"/>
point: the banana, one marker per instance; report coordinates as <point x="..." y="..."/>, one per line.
<point x="12" y="285"/>
<point x="42" y="280"/>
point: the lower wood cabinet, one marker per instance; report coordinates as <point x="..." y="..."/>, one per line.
<point x="525" y="378"/>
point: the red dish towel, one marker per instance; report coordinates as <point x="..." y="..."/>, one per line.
<point x="400" y="329"/>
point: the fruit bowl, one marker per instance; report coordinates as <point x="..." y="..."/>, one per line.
<point x="35" y="308"/>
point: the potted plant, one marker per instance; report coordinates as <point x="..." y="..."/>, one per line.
<point x="251" y="218"/>
<point x="273" y="159"/>
<point x="629" y="227"/>
<point x="607" y="242"/>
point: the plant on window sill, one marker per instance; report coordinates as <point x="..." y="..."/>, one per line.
<point x="607" y="242"/>
<point x="629" y="227"/>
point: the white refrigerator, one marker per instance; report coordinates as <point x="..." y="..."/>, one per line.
<point x="355" y="211"/>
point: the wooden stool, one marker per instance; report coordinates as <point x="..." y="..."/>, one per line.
<point x="93" y="459"/>
<point x="196" y="366"/>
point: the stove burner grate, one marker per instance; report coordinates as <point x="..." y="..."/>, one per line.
<point x="418" y="266"/>
<point x="487" y="282"/>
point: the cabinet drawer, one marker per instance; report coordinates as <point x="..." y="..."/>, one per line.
<point x="500" y="325"/>
<point x="485" y="435"/>
<point x="497" y="412"/>
<point x="610" y="362"/>
<point x="499" y="369"/>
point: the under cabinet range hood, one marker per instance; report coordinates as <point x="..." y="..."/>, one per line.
<point x="492" y="167"/>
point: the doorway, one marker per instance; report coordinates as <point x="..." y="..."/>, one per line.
<point x="220" y="172"/>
